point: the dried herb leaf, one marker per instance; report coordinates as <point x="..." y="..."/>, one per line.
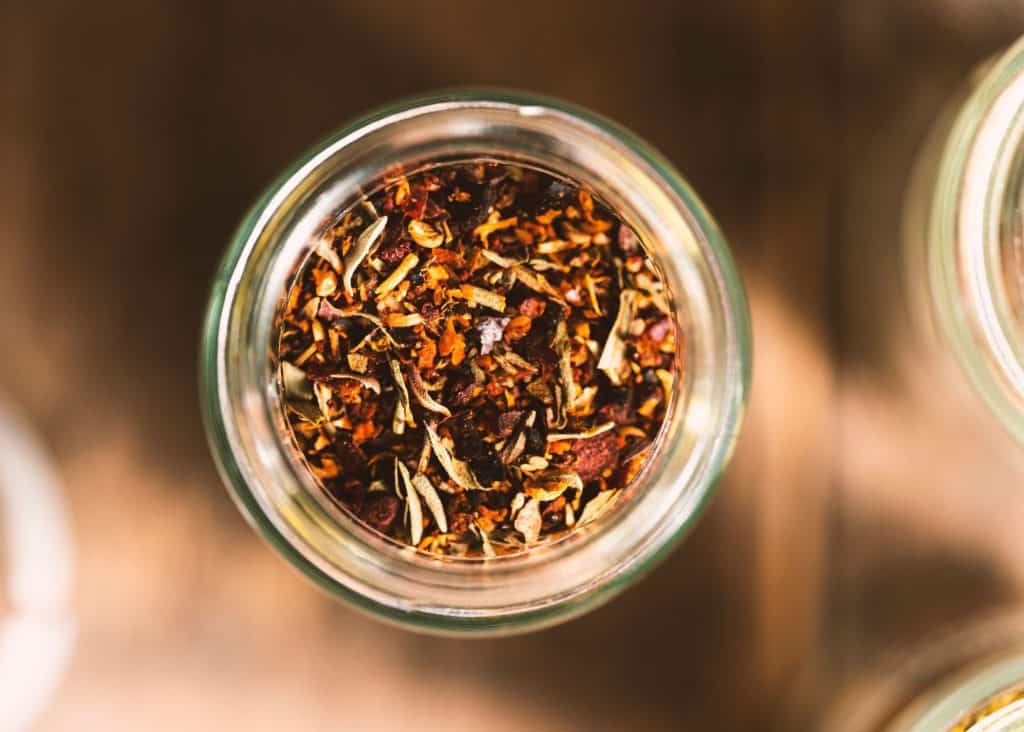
<point x="517" y="503"/>
<point x="403" y="320"/>
<point x="403" y="409"/>
<point x="597" y="506"/>
<point x="457" y="470"/>
<point x="367" y="382"/>
<point x="377" y="322"/>
<point x="295" y="382"/>
<point x="485" y="541"/>
<point x="364" y="243"/>
<point x="565" y="390"/>
<point x="323" y="397"/>
<point x="419" y="390"/>
<point x="483" y="231"/>
<point x="426" y="489"/>
<point x="486" y="298"/>
<point x="554" y="246"/>
<point x="614" y="353"/>
<point x="551" y="485"/>
<point x="397" y="275"/>
<point x="529" y="522"/>
<point x="414" y="511"/>
<point x="592" y="432"/>
<point x="425" y="235"/>
<point x="325" y="249"/>
<point x="499" y="260"/>
<point x="537" y="283"/>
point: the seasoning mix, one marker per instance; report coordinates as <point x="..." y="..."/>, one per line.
<point x="476" y="358"/>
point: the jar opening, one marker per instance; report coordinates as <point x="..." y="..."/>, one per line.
<point x="975" y="229"/>
<point x="345" y="498"/>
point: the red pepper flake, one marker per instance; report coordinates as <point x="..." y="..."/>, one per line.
<point x="532" y="307"/>
<point x="395" y="252"/>
<point x="508" y="421"/>
<point x="426" y="355"/>
<point x="379" y="510"/>
<point x="659" y="330"/>
<point x="517" y="328"/>
<point x="416" y="203"/>
<point x="596" y="455"/>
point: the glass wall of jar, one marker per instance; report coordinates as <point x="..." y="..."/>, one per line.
<point x="37" y="626"/>
<point x="547" y="583"/>
<point x="971" y="679"/>
<point x="963" y="235"/>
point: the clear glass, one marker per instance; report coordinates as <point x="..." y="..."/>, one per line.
<point x="971" y="679"/>
<point x="964" y="225"/>
<point x="37" y="629"/>
<point x="549" y="583"/>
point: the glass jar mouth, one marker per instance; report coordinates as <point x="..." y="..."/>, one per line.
<point x="988" y="698"/>
<point x="550" y="582"/>
<point x="37" y="625"/>
<point x="339" y="511"/>
<point x="977" y="221"/>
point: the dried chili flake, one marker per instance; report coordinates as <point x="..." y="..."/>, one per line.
<point x="480" y="367"/>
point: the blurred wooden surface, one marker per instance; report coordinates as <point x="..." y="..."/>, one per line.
<point x="925" y="522"/>
<point x="133" y="135"/>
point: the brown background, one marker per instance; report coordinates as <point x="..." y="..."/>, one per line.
<point x="868" y="503"/>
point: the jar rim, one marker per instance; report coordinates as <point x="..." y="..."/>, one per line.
<point x="217" y="407"/>
<point x="968" y="260"/>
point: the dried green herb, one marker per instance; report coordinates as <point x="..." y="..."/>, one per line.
<point x="476" y="358"/>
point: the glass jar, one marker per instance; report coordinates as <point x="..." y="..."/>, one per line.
<point x="37" y="628"/>
<point x="971" y="679"/>
<point x="964" y="228"/>
<point x="548" y="583"/>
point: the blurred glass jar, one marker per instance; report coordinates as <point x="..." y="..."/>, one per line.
<point x="970" y="680"/>
<point x="964" y="231"/>
<point x="548" y="583"/>
<point x="37" y="629"/>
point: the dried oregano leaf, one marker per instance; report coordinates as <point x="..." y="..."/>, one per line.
<point x="592" y="432"/>
<point x="403" y="409"/>
<point x="419" y="390"/>
<point x="400" y="272"/>
<point x="565" y="390"/>
<point x="549" y="486"/>
<point x="614" y="352"/>
<point x="295" y="382"/>
<point x="360" y="250"/>
<point x="425" y="235"/>
<point x="529" y="522"/>
<point x="426" y="489"/>
<point x="456" y="469"/>
<point x="597" y="506"/>
<point x="412" y="501"/>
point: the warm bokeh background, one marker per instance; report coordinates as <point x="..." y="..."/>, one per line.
<point x="862" y="505"/>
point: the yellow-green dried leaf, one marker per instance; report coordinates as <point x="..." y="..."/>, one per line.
<point x="364" y="243"/>
<point x="597" y="506"/>
<point x="425" y="235"/>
